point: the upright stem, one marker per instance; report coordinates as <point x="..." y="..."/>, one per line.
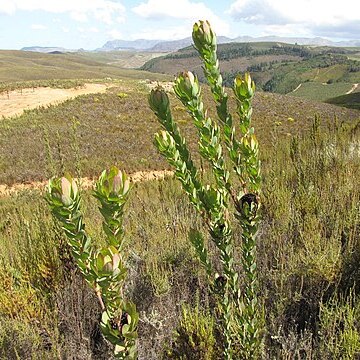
<point x="239" y="311"/>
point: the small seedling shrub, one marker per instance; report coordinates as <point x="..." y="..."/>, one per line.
<point x="103" y="269"/>
<point x="194" y="337"/>
<point x="122" y="95"/>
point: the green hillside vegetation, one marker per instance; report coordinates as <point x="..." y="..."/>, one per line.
<point x="319" y="69"/>
<point x="321" y="92"/>
<point x="351" y="101"/>
<point x="355" y="56"/>
<point x="307" y="247"/>
<point x="239" y="56"/>
<point x="275" y="67"/>
<point x="23" y="66"/>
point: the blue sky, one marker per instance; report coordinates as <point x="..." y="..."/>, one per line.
<point x="89" y="24"/>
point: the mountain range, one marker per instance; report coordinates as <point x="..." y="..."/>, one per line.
<point x="48" y="49"/>
<point x="154" y="45"/>
<point x="173" y="45"/>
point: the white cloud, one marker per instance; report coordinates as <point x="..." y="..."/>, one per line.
<point x="115" y="34"/>
<point x="65" y="29"/>
<point x="181" y="9"/>
<point x="284" y="11"/>
<point x="286" y="30"/>
<point x="79" y="16"/>
<point x="93" y="29"/>
<point x="38" y="27"/>
<point x="308" y="15"/>
<point x="88" y="30"/>
<point x="7" y="7"/>
<point x="106" y="17"/>
<point x="169" y="33"/>
<point x="104" y="10"/>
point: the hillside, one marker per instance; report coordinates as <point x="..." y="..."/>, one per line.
<point x="123" y="59"/>
<point x="16" y="65"/>
<point x="144" y="45"/>
<point x="321" y="91"/>
<point x="139" y="44"/>
<point x="351" y="101"/>
<point x="118" y="129"/>
<point x="173" y="45"/>
<point x="275" y="67"/>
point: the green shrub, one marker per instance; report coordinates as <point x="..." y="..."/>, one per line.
<point x="194" y="337"/>
<point x="103" y="269"/>
<point x="122" y="95"/>
<point x="239" y="307"/>
<point x="339" y="328"/>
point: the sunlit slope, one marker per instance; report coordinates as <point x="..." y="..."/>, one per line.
<point x="117" y="127"/>
<point x="275" y="67"/>
<point x="24" y="65"/>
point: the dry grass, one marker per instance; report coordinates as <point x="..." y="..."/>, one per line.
<point x="27" y="65"/>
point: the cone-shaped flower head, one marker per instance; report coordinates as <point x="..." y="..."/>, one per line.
<point x="244" y="88"/>
<point x="64" y="190"/>
<point x="186" y="86"/>
<point x="203" y="36"/>
<point x="112" y="183"/>
<point x="159" y="101"/>
<point x="108" y="260"/>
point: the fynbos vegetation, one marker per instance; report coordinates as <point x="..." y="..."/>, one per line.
<point x="239" y="306"/>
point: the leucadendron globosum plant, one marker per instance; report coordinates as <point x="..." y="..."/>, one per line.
<point x="229" y="147"/>
<point x="103" y="269"/>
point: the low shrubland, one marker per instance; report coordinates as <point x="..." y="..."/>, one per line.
<point x="115" y="130"/>
<point x="307" y="262"/>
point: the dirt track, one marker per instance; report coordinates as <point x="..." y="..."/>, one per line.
<point x="17" y="101"/>
<point x="297" y="88"/>
<point x="354" y="87"/>
<point x="86" y="183"/>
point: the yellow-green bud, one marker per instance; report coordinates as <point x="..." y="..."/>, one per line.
<point x="108" y="260"/>
<point x="69" y="190"/>
<point x="159" y="100"/>
<point x="120" y="183"/>
<point x="112" y="182"/>
<point x="244" y="88"/>
<point x="117" y="182"/>
<point x="186" y="86"/>
<point x="203" y="35"/>
<point x="111" y="264"/>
